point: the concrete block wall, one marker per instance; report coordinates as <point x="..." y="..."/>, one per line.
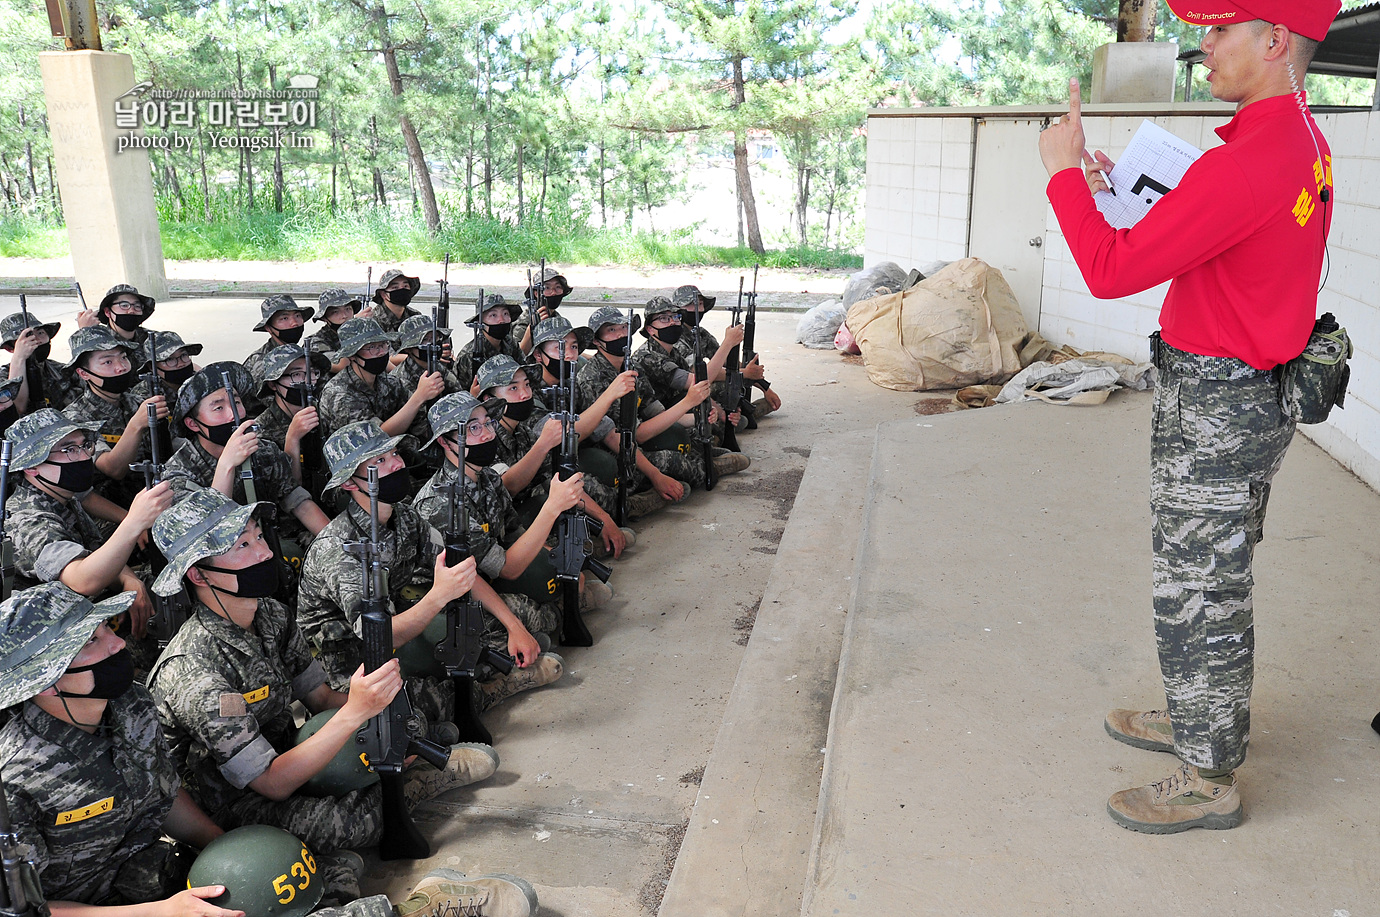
<point x="919" y="175"/>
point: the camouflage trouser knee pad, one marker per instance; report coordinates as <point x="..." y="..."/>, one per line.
<point x="1215" y="446"/>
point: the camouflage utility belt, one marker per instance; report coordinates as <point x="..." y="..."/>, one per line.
<point x="1170" y="359"/>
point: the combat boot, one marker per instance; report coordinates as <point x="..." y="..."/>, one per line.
<point x="547" y="668"/>
<point x="1151" y="730"/>
<point x="469" y="762"/>
<point x="730" y="463"/>
<point x="645" y="503"/>
<point x="446" y="892"/>
<point x="1183" y="800"/>
<point x="595" y="594"/>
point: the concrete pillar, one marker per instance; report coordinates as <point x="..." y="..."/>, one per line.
<point x="1141" y="71"/>
<point x="107" y="196"/>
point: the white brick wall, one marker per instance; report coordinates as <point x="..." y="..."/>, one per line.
<point x="919" y="172"/>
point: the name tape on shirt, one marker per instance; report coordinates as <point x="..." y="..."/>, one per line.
<point x="75" y="815"/>
<point x="253" y="697"/>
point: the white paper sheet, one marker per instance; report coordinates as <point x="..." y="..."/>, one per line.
<point x="1149" y="169"/>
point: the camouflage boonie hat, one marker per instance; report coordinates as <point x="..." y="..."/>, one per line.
<point x="499" y="370"/>
<point x="388" y="277"/>
<point x="608" y="315"/>
<point x="10" y="388"/>
<point x="119" y="289"/>
<point x="353" y="445"/>
<point x="34" y="436"/>
<point x="493" y="301"/>
<point x="169" y="343"/>
<point x="207" y="382"/>
<point x="280" y="358"/>
<point x="337" y="297"/>
<point x="358" y="333"/>
<point x="203" y="524"/>
<point x="657" y="305"/>
<point x="688" y="295"/>
<point x="97" y="337"/>
<point x="41" y="631"/>
<point x="549" y="274"/>
<point x="453" y="411"/>
<point x="413" y="332"/>
<point x="12" y="325"/>
<point x="282" y="302"/>
<point x="555" y="329"/>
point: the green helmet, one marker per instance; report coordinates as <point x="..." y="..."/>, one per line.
<point x="344" y="773"/>
<point x="418" y="655"/>
<point x="265" y="870"/>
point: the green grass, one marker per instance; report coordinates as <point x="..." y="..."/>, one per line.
<point x="376" y="236"/>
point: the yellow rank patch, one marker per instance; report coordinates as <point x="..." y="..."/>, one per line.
<point x="1304" y="207"/>
<point x="111" y="438"/>
<point x="85" y="812"/>
<point x="485" y="527"/>
<point x="253" y="697"/>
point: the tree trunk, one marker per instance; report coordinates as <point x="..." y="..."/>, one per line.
<point x="380" y="194"/>
<point x="740" y="162"/>
<point x="738" y="211"/>
<point x="802" y="201"/>
<point x="53" y="192"/>
<point x="1136" y="20"/>
<point x="488" y="132"/>
<point x="414" y="145"/>
<point x="205" y="181"/>
<point x="545" y="171"/>
<point x="521" y="203"/>
<point x="603" y="202"/>
<point x="246" y="161"/>
<point x="335" y="165"/>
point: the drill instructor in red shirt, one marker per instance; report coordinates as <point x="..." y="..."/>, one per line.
<point x="1242" y="238"/>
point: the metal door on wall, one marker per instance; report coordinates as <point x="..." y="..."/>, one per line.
<point x="1007" y="228"/>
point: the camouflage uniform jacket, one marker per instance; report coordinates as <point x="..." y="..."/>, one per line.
<point x="59" y="389"/>
<point x="346" y="399"/>
<point x="514" y="444"/>
<point x="255" y="362"/>
<point x="114" y="414"/>
<point x="389" y="322"/>
<point x="48" y="534"/>
<point x="493" y="521"/>
<point x="409" y="373"/>
<point x="595" y="376"/>
<point x="332" y="581"/>
<point x="467" y="364"/>
<point x="709" y="345"/>
<point x="273" y="425"/>
<point x="524" y="320"/>
<point x="88" y="803"/>
<point x="223" y="695"/>
<point x="669" y="373"/>
<point x="192" y="467"/>
<point x="326" y="339"/>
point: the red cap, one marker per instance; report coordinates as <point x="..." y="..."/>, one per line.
<point x="1309" y="18"/>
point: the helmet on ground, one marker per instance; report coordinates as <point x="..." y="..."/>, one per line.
<point x="265" y="870"/>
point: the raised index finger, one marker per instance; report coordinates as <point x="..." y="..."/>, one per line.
<point x="1075" y="101"/>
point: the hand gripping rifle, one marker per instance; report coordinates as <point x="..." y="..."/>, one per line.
<point x="463" y="650"/>
<point x="702" y="434"/>
<point x="169" y="611"/>
<point x="627" y="436"/>
<point x="368" y="287"/>
<point x="269" y="518"/>
<point x="20" y="893"/>
<point x="313" y="464"/>
<point x="37" y="394"/>
<point x="570" y="556"/>
<point x="750" y="353"/>
<point x="384" y="741"/>
<point x="158" y="429"/>
<point x="733" y="380"/>
<point x="6" y="546"/>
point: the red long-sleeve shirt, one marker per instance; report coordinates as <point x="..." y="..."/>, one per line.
<point x="1242" y="237"/>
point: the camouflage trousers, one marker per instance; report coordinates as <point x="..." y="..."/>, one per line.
<point x="323" y="823"/>
<point x="1216" y="444"/>
<point x="685" y="465"/>
<point x="537" y="617"/>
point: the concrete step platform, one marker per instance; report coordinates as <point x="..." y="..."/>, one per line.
<point x="1003" y="606"/>
<point x="748" y="842"/>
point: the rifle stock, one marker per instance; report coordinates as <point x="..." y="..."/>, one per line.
<point x="170" y="612"/>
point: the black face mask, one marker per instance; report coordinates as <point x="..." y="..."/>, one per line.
<point x="374" y="365"/>
<point x="74" y="477"/>
<point x="617" y="347"/>
<point x="127" y="321"/>
<point x="113" y="675"/>
<point x="553" y="365"/>
<point x="551" y="302"/>
<point x="116" y="385"/>
<point x="392" y="486"/>
<point x="669" y="335"/>
<point x="220" y="433"/>
<point x="498" y="332"/>
<point x="401" y="297"/>
<point x="290" y="335"/>
<point x="482" y="454"/>
<point x="42" y="352"/>
<point x="296" y="394"/>
<point x="690" y="319"/>
<point x="175" y="377"/>
<point x="519" y="410"/>
<point x="8" y="416"/>
<point x="256" y="581"/>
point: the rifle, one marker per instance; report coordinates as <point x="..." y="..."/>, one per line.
<point x="246" y="474"/>
<point x="570" y="556"/>
<point x="313" y="477"/>
<point x="463" y="650"/>
<point x="20" y="893"/>
<point x="170" y="611"/>
<point x="433" y="350"/>
<point x="6" y="546"/>
<point x="158" y="429"/>
<point x="384" y="741"/>
<point x="538" y="294"/>
<point x="36" y="390"/>
<point x="442" y="314"/>
<point x="368" y="285"/>
<point x="627" y="437"/>
<point x="702" y="433"/>
<point x="269" y="518"/>
<point x="80" y="297"/>
<point x="750" y="353"/>
<point x="733" y="380"/>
